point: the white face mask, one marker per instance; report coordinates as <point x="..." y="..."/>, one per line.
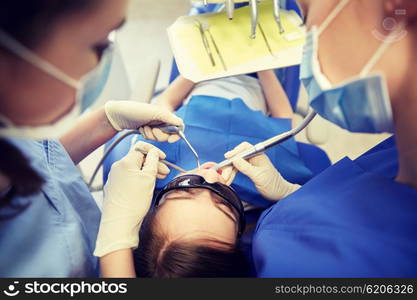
<point x="88" y="90"/>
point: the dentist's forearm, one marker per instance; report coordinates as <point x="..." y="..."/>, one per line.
<point x="91" y="132"/>
<point x="118" y="264"/>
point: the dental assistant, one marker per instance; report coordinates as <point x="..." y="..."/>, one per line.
<point x="358" y="218"/>
<point x="54" y="61"/>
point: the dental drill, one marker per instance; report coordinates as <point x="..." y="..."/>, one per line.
<point x="254" y="17"/>
<point x="265" y="145"/>
<point x="277" y="15"/>
<point x="230" y="8"/>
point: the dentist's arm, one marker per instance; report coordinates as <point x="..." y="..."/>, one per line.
<point x="96" y="128"/>
<point x="127" y="199"/>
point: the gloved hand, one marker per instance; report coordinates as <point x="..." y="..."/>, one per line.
<point x="135" y="115"/>
<point x="229" y="173"/>
<point x="127" y="198"/>
<point x="261" y="171"/>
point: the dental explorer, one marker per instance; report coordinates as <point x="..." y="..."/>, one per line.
<point x="265" y="145"/>
<point x="254" y="17"/>
<point x="169" y="164"/>
<point x="180" y="131"/>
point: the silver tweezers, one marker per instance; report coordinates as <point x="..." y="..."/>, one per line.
<point x="205" y="42"/>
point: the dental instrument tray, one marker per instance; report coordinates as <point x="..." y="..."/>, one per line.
<point x="211" y="46"/>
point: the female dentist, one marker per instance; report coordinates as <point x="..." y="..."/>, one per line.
<point x="54" y="59"/>
<point x="352" y="220"/>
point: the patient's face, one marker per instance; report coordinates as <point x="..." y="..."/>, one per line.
<point x="197" y="213"/>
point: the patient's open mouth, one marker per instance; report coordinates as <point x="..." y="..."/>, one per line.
<point x="209" y="165"/>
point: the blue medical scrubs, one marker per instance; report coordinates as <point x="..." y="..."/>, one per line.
<point x="55" y="235"/>
<point x="353" y="220"/>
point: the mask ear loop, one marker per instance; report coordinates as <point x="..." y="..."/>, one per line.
<point x="391" y="38"/>
<point x="332" y="16"/>
<point x="24" y="53"/>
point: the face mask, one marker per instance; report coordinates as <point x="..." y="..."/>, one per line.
<point x="361" y="104"/>
<point x="88" y="89"/>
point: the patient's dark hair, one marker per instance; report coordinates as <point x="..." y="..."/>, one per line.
<point x="159" y="258"/>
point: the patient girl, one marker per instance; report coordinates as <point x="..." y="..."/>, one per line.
<point x="194" y="229"/>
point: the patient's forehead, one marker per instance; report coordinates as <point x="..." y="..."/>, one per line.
<point x="195" y="215"/>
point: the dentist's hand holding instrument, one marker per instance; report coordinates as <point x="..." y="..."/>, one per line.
<point x="144" y="117"/>
<point x="261" y="171"/>
<point x="127" y="198"/>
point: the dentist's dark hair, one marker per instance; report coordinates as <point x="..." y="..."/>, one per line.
<point x="29" y="22"/>
<point x="158" y="257"/>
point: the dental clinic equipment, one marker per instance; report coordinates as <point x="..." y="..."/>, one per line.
<point x="205" y="42"/>
<point x="277" y="16"/>
<point x="230" y="8"/>
<point x="206" y="28"/>
<point x="180" y="132"/>
<point x="233" y="51"/>
<point x="254" y="17"/>
<point x="105" y="155"/>
<point x="165" y="162"/>
<point x="164" y="128"/>
<point x="268" y="45"/>
<point x="265" y="145"/>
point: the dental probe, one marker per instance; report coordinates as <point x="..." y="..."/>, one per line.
<point x="265" y="145"/>
<point x="180" y="131"/>
<point x="169" y="164"/>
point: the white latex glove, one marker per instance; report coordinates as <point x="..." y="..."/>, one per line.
<point x="127" y="198"/>
<point x="135" y="115"/>
<point x="261" y="171"/>
<point x="229" y="174"/>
